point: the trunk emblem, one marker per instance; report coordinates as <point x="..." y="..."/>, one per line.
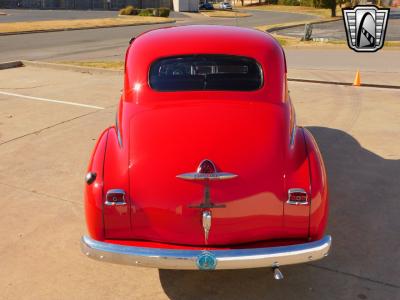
<point x="206" y="224"/>
<point x="206" y="171"/>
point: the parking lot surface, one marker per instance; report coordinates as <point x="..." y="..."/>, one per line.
<point x="49" y="122"/>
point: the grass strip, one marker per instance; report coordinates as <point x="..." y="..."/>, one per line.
<point x="15" y="27"/>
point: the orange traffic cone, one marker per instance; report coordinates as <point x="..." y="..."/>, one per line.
<point x="357" y="79"/>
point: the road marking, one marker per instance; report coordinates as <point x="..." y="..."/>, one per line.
<point x="50" y="100"/>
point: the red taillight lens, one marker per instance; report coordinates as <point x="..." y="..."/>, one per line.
<point x="115" y="197"/>
<point x="297" y="196"/>
<point x="206" y="167"/>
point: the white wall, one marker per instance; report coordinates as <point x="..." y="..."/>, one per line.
<point x="186" y="5"/>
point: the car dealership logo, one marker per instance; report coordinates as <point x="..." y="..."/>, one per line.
<point x="365" y="27"/>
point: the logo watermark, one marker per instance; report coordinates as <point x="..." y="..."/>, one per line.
<point x="365" y="27"/>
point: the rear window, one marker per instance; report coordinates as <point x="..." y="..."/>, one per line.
<point x="205" y="72"/>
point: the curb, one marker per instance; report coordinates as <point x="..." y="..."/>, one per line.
<point x="272" y="29"/>
<point x="55" y="66"/>
<point x="204" y="13"/>
<point x="381" y="86"/>
<point x="225" y="17"/>
<point x="93" y="27"/>
<point x="11" y="65"/>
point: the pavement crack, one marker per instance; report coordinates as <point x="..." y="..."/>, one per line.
<point x="357" y="276"/>
<point x="48" y="127"/>
<point x="24" y="88"/>
<point x="41" y="194"/>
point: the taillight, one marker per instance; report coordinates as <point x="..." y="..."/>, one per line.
<point x="206" y="167"/>
<point x="115" y="197"/>
<point x="297" y="196"/>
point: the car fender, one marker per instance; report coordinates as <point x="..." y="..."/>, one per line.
<point x="93" y="193"/>
<point x="319" y="188"/>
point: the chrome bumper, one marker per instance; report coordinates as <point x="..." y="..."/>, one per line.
<point x="207" y="259"/>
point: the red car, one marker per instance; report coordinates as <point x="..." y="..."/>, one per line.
<point x="205" y="167"/>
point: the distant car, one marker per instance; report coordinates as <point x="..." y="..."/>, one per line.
<point x="225" y="5"/>
<point x="206" y="6"/>
<point x="205" y="167"/>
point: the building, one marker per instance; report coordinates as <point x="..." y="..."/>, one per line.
<point x="186" y="5"/>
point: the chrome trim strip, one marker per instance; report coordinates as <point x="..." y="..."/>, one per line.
<point x="115" y="191"/>
<point x="114" y="203"/>
<point x="297" y="190"/>
<point x="118" y="131"/>
<point x="294" y="126"/>
<point x="187" y="259"/>
<point x="207" y="176"/>
<point x="293" y="135"/>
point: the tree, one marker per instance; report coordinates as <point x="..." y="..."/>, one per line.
<point x="329" y="4"/>
<point x="332" y="7"/>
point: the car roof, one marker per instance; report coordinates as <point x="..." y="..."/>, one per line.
<point x="204" y="39"/>
<point x="207" y="39"/>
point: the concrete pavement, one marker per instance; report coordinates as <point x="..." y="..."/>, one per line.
<point x="44" y="149"/>
<point x="321" y="58"/>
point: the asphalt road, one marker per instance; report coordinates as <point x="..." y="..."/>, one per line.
<point x="336" y="30"/>
<point x="111" y="43"/>
<point x="45" y="147"/>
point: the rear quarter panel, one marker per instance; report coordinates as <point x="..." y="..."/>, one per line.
<point x="319" y="189"/>
<point x="93" y="192"/>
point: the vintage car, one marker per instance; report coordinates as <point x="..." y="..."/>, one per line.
<point x="205" y="167"/>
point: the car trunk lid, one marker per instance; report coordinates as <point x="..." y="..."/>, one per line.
<point x="242" y="138"/>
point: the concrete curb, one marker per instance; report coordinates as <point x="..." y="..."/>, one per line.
<point x="273" y="29"/>
<point x="93" y="27"/>
<point x="204" y="13"/>
<point x="381" y="86"/>
<point x="42" y="64"/>
<point x="11" y="64"/>
<point x="225" y="17"/>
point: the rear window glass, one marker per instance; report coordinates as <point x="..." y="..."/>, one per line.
<point x="205" y="72"/>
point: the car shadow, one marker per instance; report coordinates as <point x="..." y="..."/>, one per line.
<point x="364" y="223"/>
